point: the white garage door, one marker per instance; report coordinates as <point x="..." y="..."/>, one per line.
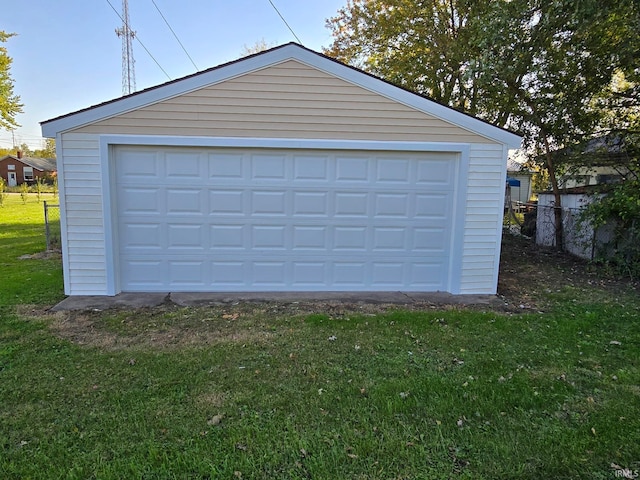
<point x="204" y="219"/>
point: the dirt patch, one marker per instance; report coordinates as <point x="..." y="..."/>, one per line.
<point x="529" y="274"/>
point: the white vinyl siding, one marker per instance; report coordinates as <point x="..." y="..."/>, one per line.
<point x="289" y="100"/>
<point x="85" y="249"/>
<point x="485" y="200"/>
<point x="83" y="216"/>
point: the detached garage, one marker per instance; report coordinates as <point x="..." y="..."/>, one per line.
<point x="282" y="171"/>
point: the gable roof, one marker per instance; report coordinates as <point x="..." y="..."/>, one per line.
<point x="265" y="59"/>
<point x="42" y="164"/>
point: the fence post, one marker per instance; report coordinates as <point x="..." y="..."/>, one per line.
<point x="46" y="224"/>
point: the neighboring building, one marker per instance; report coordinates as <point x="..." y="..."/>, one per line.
<point x="283" y="171"/>
<point x="600" y="161"/>
<point x="16" y="169"/>
<point x="519" y="193"/>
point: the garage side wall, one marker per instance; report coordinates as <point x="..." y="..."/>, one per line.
<point x="82" y="215"/>
<point x="86" y="256"/>
<point x="483" y="220"/>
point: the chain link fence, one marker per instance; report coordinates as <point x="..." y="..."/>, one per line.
<point x="52" y="226"/>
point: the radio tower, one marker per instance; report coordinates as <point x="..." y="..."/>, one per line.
<point x="128" y="63"/>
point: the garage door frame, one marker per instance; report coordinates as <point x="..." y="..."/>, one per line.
<point x="109" y="142"/>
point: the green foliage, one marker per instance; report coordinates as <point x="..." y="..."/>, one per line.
<point x="38" y="186"/>
<point x="618" y="211"/>
<point x="24" y="192"/>
<point x="10" y="105"/>
<point x="424" y="46"/>
<point x="3" y="193"/>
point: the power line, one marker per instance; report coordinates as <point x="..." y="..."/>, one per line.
<point x="142" y="44"/>
<point x="176" y="36"/>
<point x="285" y="22"/>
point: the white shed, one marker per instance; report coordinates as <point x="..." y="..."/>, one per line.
<point x="282" y="171"/>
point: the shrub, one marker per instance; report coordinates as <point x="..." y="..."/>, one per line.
<point x="24" y="192"/>
<point x="2" y="191"/>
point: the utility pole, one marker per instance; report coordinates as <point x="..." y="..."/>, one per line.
<point x="128" y="63"/>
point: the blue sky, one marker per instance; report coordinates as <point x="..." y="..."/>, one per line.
<point x="67" y="56"/>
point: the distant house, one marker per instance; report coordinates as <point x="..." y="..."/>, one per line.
<point x="16" y="169"/>
<point x="598" y="161"/>
<point x="520" y="190"/>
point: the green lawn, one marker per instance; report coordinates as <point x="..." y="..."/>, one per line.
<point x="323" y="391"/>
<point x="22" y="232"/>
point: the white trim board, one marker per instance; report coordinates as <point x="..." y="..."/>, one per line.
<point x="108" y="142"/>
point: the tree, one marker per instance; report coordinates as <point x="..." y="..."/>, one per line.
<point x="534" y="66"/>
<point x="542" y="64"/>
<point x="424" y="46"/>
<point x="48" y="151"/>
<point x="10" y="105"/>
<point x="259" y="46"/>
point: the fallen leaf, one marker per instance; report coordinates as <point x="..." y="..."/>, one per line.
<point x="352" y="455"/>
<point x="216" y="419"/>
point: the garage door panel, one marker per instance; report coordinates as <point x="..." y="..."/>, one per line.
<point x="269" y="273"/>
<point x="230" y="274"/>
<point x="268" y="167"/>
<point x="187" y="273"/>
<point x="387" y="274"/>
<point x="351" y="204"/>
<point x="184" y="165"/>
<point x="433" y="206"/>
<point x="309" y="237"/>
<point x="250" y="220"/>
<point x="434" y="172"/>
<point x="310" y="168"/>
<point x="312" y="203"/>
<point x="225" y="166"/>
<point x="141" y="165"/>
<point x="227" y="202"/>
<point x="269" y="203"/>
<point x="189" y="237"/>
<point x="144" y="273"/>
<point x="225" y="237"/>
<point x="309" y="273"/>
<point x="269" y="237"/>
<point x="391" y="205"/>
<point x="140" y="200"/>
<point x="432" y="240"/>
<point x="352" y="170"/>
<point x="182" y="201"/>
<point x="352" y="239"/>
<point x="140" y="236"/>
<point x="386" y="239"/>
<point x="349" y="274"/>
<point x="392" y="170"/>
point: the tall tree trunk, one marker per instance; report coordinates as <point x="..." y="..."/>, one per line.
<point x="557" y="210"/>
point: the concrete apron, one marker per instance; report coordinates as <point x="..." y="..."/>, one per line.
<point x="195" y="299"/>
